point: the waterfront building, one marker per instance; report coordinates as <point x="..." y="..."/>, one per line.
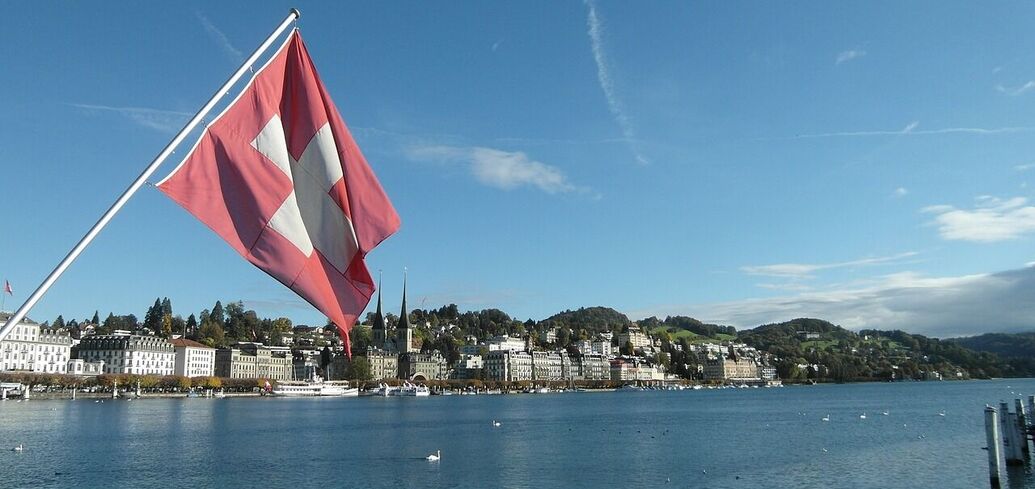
<point x="78" y="366"/>
<point x="192" y="359"/>
<point x="549" y="336"/>
<point x="469" y="367"/>
<point x="29" y="347"/>
<point x="253" y="361"/>
<point x="729" y="367"/>
<point x="473" y="349"/>
<point x="508" y="365"/>
<point x="383" y="364"/>
<point x="626" y="369"/>
<point x="422" y="366"/>
<point x="129" y="354"/>
<point x="550" y="365"/>
<point x="592" y="366"/>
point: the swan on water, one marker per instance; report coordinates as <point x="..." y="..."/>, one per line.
<point x="434" y="457"/>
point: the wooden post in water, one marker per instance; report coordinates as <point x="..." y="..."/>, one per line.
<point x="1007" y="434"/>
<point x="1031" y="410"/>
<point x="992" y="445"/>
<point x="1022" y="427"/>
<point x="1015" y="455"/>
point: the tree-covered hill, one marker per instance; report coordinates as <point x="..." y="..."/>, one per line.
<point x="591" y="319"/>
<point x="1002" y="344"/>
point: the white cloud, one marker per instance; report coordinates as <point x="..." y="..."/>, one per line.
<point x="168" y="121"/>
<point x="900" y="192"/>
<point x="220" y="38"/>
<point x="614" y="104"/>
<point x="498" y="168"/>
<point x="936" y="306"/>
<point x="1016" y="91"/>
<point x="910" y="130"/>
<point x="991" y="220"/>
<point x="845" y="56"/>
<point x="805" y="270"/>
<point x="1024" y="167"/>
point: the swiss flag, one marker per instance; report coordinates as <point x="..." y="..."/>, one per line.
<point x="278" y="176"/>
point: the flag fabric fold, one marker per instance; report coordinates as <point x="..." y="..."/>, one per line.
<point x="279" y="177"/>
<point x="7" y="288"/>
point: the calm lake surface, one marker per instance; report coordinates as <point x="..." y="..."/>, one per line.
<point x="733" y="438"/>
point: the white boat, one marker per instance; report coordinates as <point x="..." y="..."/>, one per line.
<point x="542" y="390"/>
<point x="384" y="390"/>
<point x="411" y="390"/>
<point x="315" y="387"/>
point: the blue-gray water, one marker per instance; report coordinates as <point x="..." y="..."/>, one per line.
<point x="750" y="438"/>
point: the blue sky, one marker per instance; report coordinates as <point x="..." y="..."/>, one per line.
<point x="743" y="163"/>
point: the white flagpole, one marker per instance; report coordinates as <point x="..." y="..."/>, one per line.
<point x="139" y="182"/>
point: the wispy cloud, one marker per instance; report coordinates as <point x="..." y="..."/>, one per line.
<point x="936" y="306"/>
<point x="168" y="121"/>
<point x="496" y="45"/>
<point x="1024" y="167"/>
<point x="805" y="270"/>
<point x="498" y="168"/>
<point x="991" y="220"/>
<point x="900" y="192"/>
<point x="1016" y="91"/>
<point x="614" y="104"/>
<point x="845" y="56"/>
<point x="910" y="130"/>
<point x="220" y="38"/>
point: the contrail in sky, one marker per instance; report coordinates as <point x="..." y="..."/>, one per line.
<point x="606" y="83"/>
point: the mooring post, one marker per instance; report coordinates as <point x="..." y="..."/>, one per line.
<point x="27" y="392"/>
<point x="1016" y="455"/>
<point x="1022" y="426"/>
<point x="1007" y="434"/>
<point x="992" y="445"/>
<point x="1031" y="410"/>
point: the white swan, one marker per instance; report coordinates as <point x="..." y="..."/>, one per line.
<point x="434" y="457"/>
<point x="496" y="423"/>
<point x="825" y="418"/>
<point x="885" y="413"/>
<point x="18" y="448"/>
<point x="862" y="416"/>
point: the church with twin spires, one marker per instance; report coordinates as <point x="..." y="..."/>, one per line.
<point x="392" y="354"/>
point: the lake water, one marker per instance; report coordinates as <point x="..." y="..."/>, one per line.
<point x="733" y="438"/>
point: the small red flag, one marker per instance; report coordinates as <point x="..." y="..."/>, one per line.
<point x="279" y="177"/>
<point x="7" y="288"/>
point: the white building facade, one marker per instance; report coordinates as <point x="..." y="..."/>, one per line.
<point x="192" y="359"/>
<point x="129" y="354"/>
<point x="30" y="348"/>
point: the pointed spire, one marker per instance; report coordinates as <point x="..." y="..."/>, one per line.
<point x="379" y="317"/>
<point x="404" y="318"/>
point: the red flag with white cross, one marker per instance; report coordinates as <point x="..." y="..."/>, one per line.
<point x="279" y="177"/>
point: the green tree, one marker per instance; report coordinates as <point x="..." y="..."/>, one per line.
<point x="192" y="326"/>
<point x="359" y="369"/>
<point x="217" y="315"/>
<point x="96" y="321"/>
<point x="59" y="323"/>
<point x="211" y="334"/>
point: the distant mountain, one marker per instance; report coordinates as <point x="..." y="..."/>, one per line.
<point x="1017" y="345"/>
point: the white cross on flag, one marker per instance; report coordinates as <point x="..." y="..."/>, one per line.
<point x="278" y="176"/>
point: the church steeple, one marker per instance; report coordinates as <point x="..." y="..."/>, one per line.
<point x="379" y="328"/>
<point x="403" y="331"/>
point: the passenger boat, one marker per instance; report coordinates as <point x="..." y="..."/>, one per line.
<point x="315" y="387"/>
